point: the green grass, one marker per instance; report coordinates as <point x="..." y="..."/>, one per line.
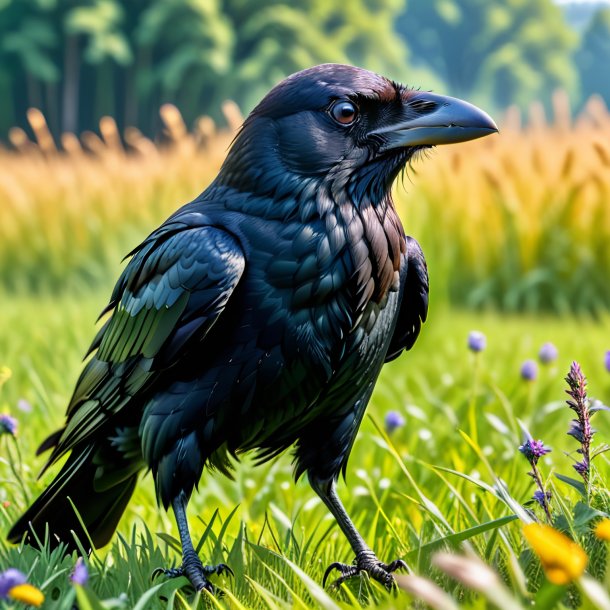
<point x="276" y="535"/>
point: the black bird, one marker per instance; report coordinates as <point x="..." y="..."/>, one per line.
<point x="259" y="315"/>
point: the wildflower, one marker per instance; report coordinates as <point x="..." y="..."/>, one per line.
<point x="542" y="497"/>
<point x="80" y="574"/>
<point x="529" y="370"/>
<point x="478" y="576"/>
<point x="10" y="578"/>
<point x="8" y="424"/>
<point x="24" y="405"/>
<point x="470" y="571"/>
<point x="548" y="353"/>
<point x="476" y="341"/>
<point x="607" y="361"/>
<point x="562" y="559"/>
<point x="580" y="428"/>
<point x="427" y="591"/>
<point x="533" y="450"/>
<point x="602" y="529"/>
<point x="393" y="420"/>
<point x="28" y="594"/>
<point x="5" y="374"/>
<point x="13" y="586"/>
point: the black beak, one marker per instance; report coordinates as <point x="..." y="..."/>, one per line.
<point x="429" y="119"/>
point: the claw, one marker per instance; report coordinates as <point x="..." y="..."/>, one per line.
<point x="365" y="563"/>
<point x="199" y="581"/>
<point x="346" y="572"/>
<point x="168" y="572"/>
<point x="219" y="569"/>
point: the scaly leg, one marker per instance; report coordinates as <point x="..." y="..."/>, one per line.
<point x="366" y="560"/>
<point x="191" y="566"/>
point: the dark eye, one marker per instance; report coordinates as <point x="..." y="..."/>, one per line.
<point x="344" y="112"/>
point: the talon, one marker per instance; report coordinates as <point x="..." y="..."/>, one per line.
<point x="219" y="569"/>
<point x="208" y="586"/>
<point x="365" y="564"/>
<point x="169" y="572"/>
<point x="333" y="566"/>
<point x="197" y="574"/>
<point x="397" y="564"/>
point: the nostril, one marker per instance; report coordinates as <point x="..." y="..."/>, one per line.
<point x="422" y="106"/>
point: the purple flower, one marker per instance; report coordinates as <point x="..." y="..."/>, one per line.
<point x="529" y="370"/>
<point x="10" y="578"/>
<point x="576" y="431"/>
<point x="476" y="341"/>
<point x="607" y="361"/>
<point x="8" y="424"/>
<point x="582" y="468"/>
<point x="542" y="497"/>
<point x="393" y="420"/>
<point x="24" y="405"/>
<point x="80" y="574"/>
<point x="533" y="450"/>
<point x="548" y="353"/>
<point x="580" y="428"/>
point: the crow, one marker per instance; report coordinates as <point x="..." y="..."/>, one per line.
<point x="259" y="315"/>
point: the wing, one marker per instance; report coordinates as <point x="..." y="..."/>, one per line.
<point x="173" y="290"/>
<point x="414" y="302"/>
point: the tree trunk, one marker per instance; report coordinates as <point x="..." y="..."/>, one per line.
<point x="71" y="85"/>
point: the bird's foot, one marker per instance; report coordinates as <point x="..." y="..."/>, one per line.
<point x="196" y="572"/>
<point x="366" y="562"/>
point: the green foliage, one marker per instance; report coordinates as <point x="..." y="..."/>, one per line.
<point x="510" y="51"/>
<point x="78" y="60"/>
<point x="99" y="24"/>
<point x="27" y="38"/>
<point x="126" y="59"/>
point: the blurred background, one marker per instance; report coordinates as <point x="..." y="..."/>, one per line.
<point x="79" y="60"/>
<point x="114" y="113"/>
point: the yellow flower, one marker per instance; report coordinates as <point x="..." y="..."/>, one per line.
<point x="562" y="559"/>
<point x="602" y="530"/>
<point x="27" y="594"/>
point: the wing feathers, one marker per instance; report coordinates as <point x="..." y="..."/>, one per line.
<point x="414" y="304"/>
<point x="174" y="289"/>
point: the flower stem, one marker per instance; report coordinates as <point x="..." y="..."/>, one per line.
<point x="545" y="503"/>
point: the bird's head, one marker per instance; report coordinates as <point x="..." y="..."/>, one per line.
<point x="343" y="125"/>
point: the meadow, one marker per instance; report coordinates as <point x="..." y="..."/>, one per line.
<point x="516" y="231"/>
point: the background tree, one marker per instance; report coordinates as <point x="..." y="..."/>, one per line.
<point x="78" y="60"/>
<point x="512" y="51"/>
<point x="29" y="71"/>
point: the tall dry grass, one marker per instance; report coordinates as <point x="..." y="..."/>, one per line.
<point x="520" y="220"/>
<point x="517" y="221"/>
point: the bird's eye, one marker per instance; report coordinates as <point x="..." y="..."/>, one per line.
<point x="344" y="112"/>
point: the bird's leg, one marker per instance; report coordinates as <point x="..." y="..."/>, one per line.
<point x="191" y="566"/>
<point x="366" y="560"/>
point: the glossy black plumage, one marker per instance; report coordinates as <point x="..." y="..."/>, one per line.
<point x="258" y="316"/>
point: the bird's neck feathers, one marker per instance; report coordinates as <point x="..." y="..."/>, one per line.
<point x="265" y="180"/>
<point x="376" y="241"/>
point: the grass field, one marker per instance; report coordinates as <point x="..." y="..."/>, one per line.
<point x="517" y="244"/>
<point x="397" y="490"/>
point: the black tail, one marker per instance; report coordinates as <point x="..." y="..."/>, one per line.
<point x="99" y="508"/>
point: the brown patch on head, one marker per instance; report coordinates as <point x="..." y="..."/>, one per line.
<point x="316" y="87"/>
